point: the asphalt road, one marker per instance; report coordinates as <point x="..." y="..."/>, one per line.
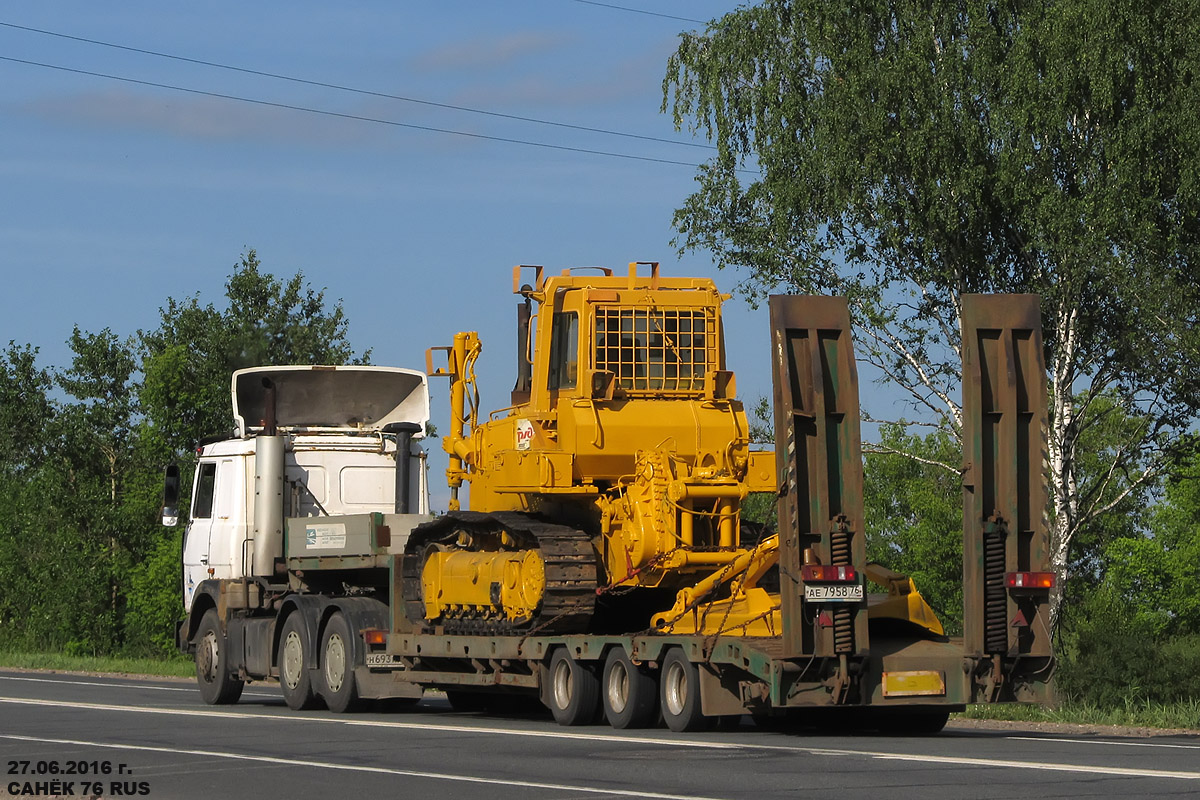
<point x="156" y="739"/>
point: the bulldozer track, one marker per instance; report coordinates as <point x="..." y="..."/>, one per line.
<point x="570" y="562"/>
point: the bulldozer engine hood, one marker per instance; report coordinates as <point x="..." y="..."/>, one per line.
<point x="326" y="398"/>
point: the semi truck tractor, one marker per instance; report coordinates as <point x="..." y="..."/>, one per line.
<point x="603" y="562"/>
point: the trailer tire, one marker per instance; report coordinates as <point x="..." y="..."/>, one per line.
<point x="574" y="693"/>
<point x="629" y="693"/>
<point x="339" y="685"/>
<point x="295" y="671"/>
<point x="680" y="694"/>
<point x="218" y="686"/>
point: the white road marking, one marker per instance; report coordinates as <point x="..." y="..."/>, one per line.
<point x="160" y="688"/>
<point x="423" y="726"/>
<point x="922" y="758"/>
<point x="98" y="683"/>
<point x="1126" y="772"/>
<point x="295" y="762"/>
<point x="1167" y="745"/>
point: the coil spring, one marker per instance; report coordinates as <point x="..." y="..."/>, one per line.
<point x="792" y="479"/>
<point x="843" y="631"/>
<point x="843" y="618"/>
<point x="839" y="548"/>
<point x="995" y="600"/>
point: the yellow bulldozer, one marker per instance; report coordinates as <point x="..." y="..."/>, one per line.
<point x="608" y="496"/>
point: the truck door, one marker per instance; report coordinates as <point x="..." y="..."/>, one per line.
<point x="227" y="524"/>
<point x="199" y="527"/>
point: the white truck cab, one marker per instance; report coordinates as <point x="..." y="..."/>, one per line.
<point x="338" y="429"/>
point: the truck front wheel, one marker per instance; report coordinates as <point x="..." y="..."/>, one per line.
<point x="681" y="694"/>
<point x="574" y="694"/>
<point x="295" y="673"/>
<point x="341" y="689"/>
<point x="217" y="685"/>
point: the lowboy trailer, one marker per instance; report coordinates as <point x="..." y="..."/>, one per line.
<point x="605" y="569"/>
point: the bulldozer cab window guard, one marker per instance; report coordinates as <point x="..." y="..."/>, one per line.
<point x="659" y="349"/>
<point x="564" y="351"/>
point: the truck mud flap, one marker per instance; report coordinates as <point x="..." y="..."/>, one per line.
<point x="361" y="613"/>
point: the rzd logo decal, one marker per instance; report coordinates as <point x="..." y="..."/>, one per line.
<point x="524" y="434"/>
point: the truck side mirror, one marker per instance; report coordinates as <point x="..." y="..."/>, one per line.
<point x="170" y="506"/>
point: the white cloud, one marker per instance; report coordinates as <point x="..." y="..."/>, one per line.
<point x="490" y="53"/>
<point x="622" y="81"/>
<point x="195" y="117"/>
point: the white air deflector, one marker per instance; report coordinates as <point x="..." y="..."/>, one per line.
<point x="320" y="398"/>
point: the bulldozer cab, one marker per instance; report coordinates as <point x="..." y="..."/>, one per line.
<point x="605" y="337"/>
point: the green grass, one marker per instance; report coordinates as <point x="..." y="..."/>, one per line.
<point x="1182" y="714"/>
<point x="174" y="667"/>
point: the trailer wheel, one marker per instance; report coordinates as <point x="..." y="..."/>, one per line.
<point x="340" y="688"/>
<point x="217" y="685"/>
<point x="295" y="673"/>
<point x="574" y="695"/>
<point x="628" y="693"/>
<point x="680" y="685"/>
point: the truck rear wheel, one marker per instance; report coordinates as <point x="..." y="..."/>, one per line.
<point x="574" y="692"/>
<point x="295" y="673"/>
<point x="680" y="695"/>
<point x="217" y="685"/>
<point x="628" y="693"/>
<point x="340" y="688"/>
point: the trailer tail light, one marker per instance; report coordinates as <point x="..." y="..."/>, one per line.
<point x="374" y="636"/>
<point x="824" y="573"/>
<point x="1029" y="580"/>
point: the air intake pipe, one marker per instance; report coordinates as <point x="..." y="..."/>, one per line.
<point x="269" y="450"/>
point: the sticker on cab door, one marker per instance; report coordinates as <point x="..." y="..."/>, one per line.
<point x="524" y="434"/>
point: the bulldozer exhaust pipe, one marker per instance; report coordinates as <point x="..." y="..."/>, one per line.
<point x="520" y="392"/>
<point x="403" y="431"/>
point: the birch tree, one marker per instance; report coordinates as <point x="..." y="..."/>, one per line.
<point x="904" y="153"/>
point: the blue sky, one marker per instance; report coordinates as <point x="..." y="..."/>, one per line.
<point x="117" y="195"/>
